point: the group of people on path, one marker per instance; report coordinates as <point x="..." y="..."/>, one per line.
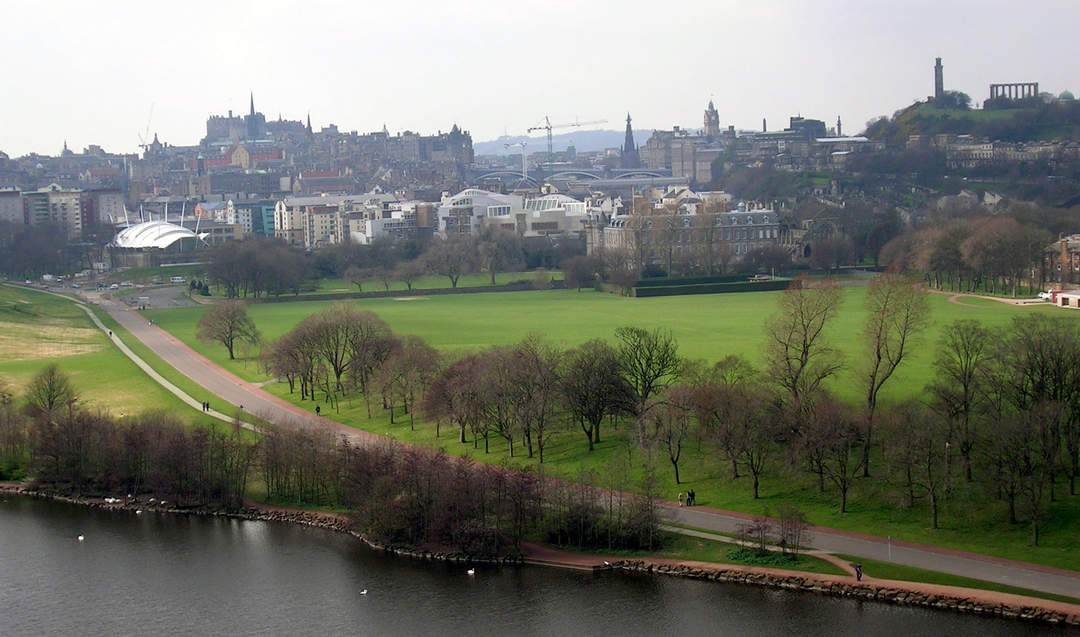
<point x="206" y="405"/>
<point x="689" y="498"/>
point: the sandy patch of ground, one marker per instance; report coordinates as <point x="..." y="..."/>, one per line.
<point x="20" y="341"/>
<point x="410" y="298"/>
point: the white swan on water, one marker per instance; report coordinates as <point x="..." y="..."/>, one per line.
<point x="363" y="592"/>
<point x="81" y="538"/>
<point x="471" y="571"/>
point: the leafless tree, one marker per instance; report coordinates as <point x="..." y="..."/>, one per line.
<point x="228" y="324"/>
<point x="669" y="422"/>
<point x="592" y="387"/>
<point x="920" y="448"/>
<point x="958" y="390"/>
<point x="451" y="258"/>
<point x="535" y="378"/>
<point x="50" y="391"/>
<point x="833" y="427"/>
<point x="897" y="313"/>
<point x="797" y="356"/>
<point x="580" y="271"/>
<point x="355" y="276"/>
<point x="408" y="272"/>
<point x="794" y="529"/>
<point x="649" y="361"/>
<point x="499" y="250"/>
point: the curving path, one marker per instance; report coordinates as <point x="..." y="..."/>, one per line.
<point x="236" y="391"/>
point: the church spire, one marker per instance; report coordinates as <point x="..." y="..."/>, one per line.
<point x="252" y="103"/>
<point x="309" y="123"/>
<point x="630" y="153"/>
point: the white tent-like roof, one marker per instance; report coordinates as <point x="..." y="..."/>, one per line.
<point x="151" y="234"/>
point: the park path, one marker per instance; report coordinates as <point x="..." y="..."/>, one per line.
<point x="236" y="391"/>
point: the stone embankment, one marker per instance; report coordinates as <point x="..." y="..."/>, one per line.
<point x="857" y="590"/>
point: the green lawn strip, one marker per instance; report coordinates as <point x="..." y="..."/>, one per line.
<point x="889" y="570"/>
<point x="429" y="282"/>
<point x="706" y="326"/>
<point x="687" y="548"/>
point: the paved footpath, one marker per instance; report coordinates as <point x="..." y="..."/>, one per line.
<point x="238" y="392"/>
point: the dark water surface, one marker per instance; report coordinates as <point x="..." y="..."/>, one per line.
<point x="161" y="574"/>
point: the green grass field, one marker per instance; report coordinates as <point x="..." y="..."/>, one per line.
<point x="39" y="329"/>
<point x="429" y="282"/>
<point x="707" y="327"/>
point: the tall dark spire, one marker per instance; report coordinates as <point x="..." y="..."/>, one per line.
<point x="309" y="123"/>
<point x="252" y="103"/>
<point x="630" y="154"/>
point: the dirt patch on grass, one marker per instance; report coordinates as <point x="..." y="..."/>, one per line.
<point x="410" y="298"/>
<point x="19" y="341"/>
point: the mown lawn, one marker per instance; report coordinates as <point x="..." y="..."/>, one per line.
<point x="708" y="326"/>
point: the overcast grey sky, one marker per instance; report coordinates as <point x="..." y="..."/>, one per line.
<point x="88" y="72"/>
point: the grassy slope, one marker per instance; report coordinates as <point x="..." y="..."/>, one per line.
<point x="103" y="377"/>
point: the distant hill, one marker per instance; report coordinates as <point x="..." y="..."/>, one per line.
<point x="585" y="141"/>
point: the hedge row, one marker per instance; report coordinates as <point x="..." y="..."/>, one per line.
<point x="691" y="280"/>
<point x="711" y="288"/>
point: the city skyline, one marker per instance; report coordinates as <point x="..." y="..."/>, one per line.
<point x="492" y="69"/>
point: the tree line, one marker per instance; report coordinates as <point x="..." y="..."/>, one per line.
<point x="997" y="255"/>
<point x="258" y="267"/>
<point x="393" y="493"/>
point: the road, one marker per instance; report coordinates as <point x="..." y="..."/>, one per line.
<point x="227" y="387"/>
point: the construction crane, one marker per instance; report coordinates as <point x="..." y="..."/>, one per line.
<point x="548" y="126"/>
<point x="524" y="167"/>
<point x="143" y="136"/>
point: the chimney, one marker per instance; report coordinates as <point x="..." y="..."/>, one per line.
<point x="764" y="128"/>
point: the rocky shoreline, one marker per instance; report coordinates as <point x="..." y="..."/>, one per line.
<point x="866" y="591"/>
<point x="822" y="585"/>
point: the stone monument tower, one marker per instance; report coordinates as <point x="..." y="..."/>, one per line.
<point x="939" y="81"/>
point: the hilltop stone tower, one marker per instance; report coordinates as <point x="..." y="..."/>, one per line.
<point x="939" y="80"/>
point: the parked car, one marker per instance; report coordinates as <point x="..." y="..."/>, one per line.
<point x="114" y="286"/>
<point x="1047" y="296"/>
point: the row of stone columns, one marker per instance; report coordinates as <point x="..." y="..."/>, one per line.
<point x="1014" y="91"/>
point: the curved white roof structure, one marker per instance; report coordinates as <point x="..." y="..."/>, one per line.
<point x="151" y="234"/>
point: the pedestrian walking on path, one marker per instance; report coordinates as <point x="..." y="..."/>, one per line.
<point x="681" y="496"/>
<point x="858" y="571"/>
